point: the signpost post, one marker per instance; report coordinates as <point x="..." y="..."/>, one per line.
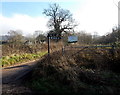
<point x="51" y="36"/>
<point x="48" y="45"/>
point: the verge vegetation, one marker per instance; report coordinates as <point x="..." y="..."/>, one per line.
<point x="19" y="58"/>
<point x="86" y="72"/>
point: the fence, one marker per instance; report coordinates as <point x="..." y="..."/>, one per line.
<point x="110" y="48"/>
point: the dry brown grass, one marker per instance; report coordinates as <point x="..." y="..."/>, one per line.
<point x="9" y="49"/>
<point x="81" y="69"/>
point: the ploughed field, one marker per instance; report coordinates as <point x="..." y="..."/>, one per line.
<point x="84" y="71"/>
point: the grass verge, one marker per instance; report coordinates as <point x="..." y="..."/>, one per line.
<point x="16" y="58"/>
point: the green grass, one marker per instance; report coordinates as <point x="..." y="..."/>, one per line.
<point x="16" y="58"/>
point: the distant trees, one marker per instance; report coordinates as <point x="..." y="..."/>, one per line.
<point x="15" y="37"/>
<point x="84" y="38"/>
<point x="60" y="20"/>
<point x="113" y="37"/>
<point x="39" y="37"/>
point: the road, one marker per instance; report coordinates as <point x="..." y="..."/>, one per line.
<point x="14" y="73"/>
<point x="12" y="77"/>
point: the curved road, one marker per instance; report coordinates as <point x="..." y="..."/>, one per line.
<point x="13" y="76"/>
<point x="14" y="73"/>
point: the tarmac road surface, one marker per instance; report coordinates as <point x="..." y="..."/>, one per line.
<point x="16" y="72"/>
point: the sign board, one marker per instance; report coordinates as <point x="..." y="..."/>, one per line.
<point x="55" y="37"/>
<point x="72" y="39"/>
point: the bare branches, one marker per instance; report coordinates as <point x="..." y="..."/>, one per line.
<point x="60" y="20"/>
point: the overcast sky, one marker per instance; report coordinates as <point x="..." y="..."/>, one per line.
<point x="92" y="15"/>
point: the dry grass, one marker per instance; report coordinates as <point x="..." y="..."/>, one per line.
<point x="82" y="71"/>
<point x="9" y="49"/>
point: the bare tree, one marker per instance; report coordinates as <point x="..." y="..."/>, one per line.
<point x="16" y="37"/>
<point x="60" y="20"/>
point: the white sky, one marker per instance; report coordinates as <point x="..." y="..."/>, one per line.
<point x="26" y="23"/>
<point x="98" y="16"/>
<point x="95" y="16"/>
<point x="119" y="14"/>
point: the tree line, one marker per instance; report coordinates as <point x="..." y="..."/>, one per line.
<point x="61" y="24"/>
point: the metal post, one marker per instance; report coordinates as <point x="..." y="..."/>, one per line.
<point x="48" y="45"/>
<point x="113" y="50"/>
